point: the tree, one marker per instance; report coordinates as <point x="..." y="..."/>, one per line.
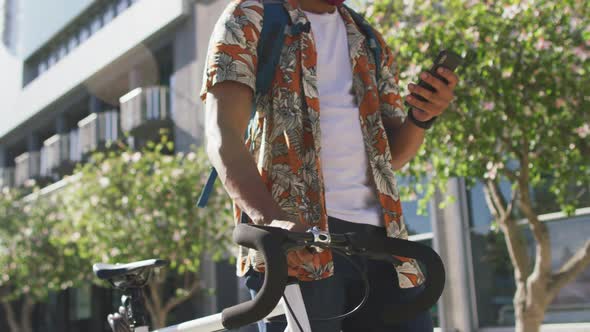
<point x="126" y="206"/>
<point x="33" y="264"/>
<point x="521" y="115"/>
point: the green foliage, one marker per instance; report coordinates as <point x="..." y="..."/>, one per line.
<point x="33" y="264"/>
<point x="122" y="206"/>
<point x="523" y="100"/>
<point x="129" y="206"/>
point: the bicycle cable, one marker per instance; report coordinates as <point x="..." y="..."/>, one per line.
<point x="366" y="283"/>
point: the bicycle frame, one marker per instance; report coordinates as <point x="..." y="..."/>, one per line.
<point x="213" y="323"/>
<point x="268" y="302"/>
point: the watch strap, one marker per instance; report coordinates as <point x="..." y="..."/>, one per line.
<point x="421" y="124"/>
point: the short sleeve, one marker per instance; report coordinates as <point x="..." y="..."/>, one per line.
<point x="231" y="55"/>
<point x="391" y="105"/>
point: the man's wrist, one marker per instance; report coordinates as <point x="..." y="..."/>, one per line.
<point x="424" y="124"/>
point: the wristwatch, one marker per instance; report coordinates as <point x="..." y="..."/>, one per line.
<point x="422" y="124"/>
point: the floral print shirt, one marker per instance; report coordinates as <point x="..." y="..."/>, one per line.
<point x="285" y="136"/>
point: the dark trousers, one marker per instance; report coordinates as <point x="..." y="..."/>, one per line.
<point x="343" y="291"/>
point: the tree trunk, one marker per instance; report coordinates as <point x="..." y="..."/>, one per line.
<point x="155" y="306"/>
<point x="529" y="320"/>
<point x="158" y="308"/>
<point x="24" y="324"/>
<point x="26" y="314"/>
<point x="10" y="317"/>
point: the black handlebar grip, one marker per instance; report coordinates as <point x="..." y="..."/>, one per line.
<point x="268" y="242"/>
<point x="433" y="285"/>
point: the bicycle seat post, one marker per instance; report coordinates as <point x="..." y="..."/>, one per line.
<point x="132" y="301"/>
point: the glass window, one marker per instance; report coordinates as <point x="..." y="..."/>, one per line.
<point x="572" y="303"/>
<point x="62" y="50"/>
<point x="96" y="24"/>
<point x="480" y="216"/>
<point x="122" y="5"/>
<point x="42" y="66"/>
<point x="53" y="57"/>
<point x="493" y="273"/>
<point x="109" y="14"/>
<point x="84" y="32"/>
<point x="545" y="201"/>
<point x="417" y="224"/>
<point x="72" y="42"/>
<point x="80" y="302"/>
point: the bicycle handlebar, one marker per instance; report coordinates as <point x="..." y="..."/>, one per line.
<point x="434" y="283"/>
<point x="268" y="242"/>
<point x="271" y="240"/>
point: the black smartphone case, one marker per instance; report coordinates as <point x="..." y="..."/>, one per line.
<point x="446" y="59"/>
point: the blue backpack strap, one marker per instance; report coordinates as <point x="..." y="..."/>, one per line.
<point x="369" y="33"/>
<point x="270" y="45"/>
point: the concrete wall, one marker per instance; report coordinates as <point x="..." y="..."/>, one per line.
<point x="190" y="50"/>
<point x="140" y="22"/>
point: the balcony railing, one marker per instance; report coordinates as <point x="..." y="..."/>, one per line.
<point x="26" y="167"/>
<point x="75" y="152"/>
<point x="54" y="153"/>
<point x="144" y="105"/>
<point x="97" y="130"/>
<point x="6" y="177"/>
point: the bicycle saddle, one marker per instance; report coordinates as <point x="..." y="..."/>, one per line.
<point x="111" y="271"/>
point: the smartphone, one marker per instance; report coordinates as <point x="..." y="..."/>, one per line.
<point x="447" y="59"/>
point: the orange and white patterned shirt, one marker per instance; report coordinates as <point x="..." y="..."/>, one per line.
<point x="285" y="136"/>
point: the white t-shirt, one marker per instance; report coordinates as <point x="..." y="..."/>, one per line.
<point x="345" y="167"/>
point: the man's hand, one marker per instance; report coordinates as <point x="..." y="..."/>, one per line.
<point x="289" y="225"/>
<point x="437" y="102"/>
<point x="298" y="257"/>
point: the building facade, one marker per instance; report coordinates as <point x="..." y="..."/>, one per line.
<point x="95" y="69"/>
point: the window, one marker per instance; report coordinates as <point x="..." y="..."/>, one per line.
<point x="80" y="302"/>
<point x="122" y="5"/>
<point x="84" y="33"/>
<point x="96" y="24"/>
<point x="62" y="50"/>
<point x="42" y="66"/>
<point x="480" y="216"/>
<point x="72" y="42"/>
<point x="109" y="14"/>
<point x="416" y="224"/>
<point x="493" y="269"/>
<point x="53" y="57"/>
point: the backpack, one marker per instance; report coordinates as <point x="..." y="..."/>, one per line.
<point x="270" y="43"/>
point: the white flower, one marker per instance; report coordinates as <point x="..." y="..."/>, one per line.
<point x="75" y="237"/>
<point x="136" y="156"/>
<point x="583" y="131"/>
<point x="126" y="157"/>
<point x="94" y="200"/>
<point x="176" y="172"/>
<point x="511" y="11"/>
<point x="167" y="159"/>
<point x="105" y="167"/>
<point x="124" y="200"/>
<point x="104" y="182"/>
<point x="115" y="252"/>
<point x="191" y="156"/>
